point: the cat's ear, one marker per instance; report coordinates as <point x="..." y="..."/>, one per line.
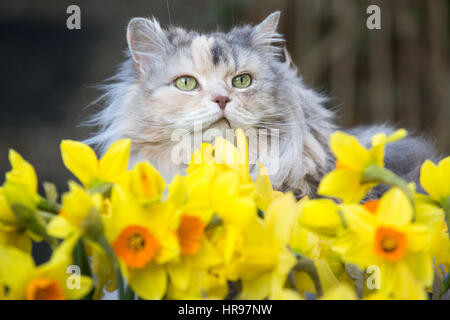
<point x="146" y="42"/>
<point x="265" y="33"/>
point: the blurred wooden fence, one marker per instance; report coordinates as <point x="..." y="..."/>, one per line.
<point x="399" y="74"/>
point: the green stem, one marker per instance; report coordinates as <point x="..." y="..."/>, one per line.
<point x="375" y="173"/>
<point x="129" y="293"/>
<point x="47" y="216"/>
<point x="81" y="259"/>
<point x="110" y="252"/>
<point x="102" y="188"/>
<point x="119" y="280"/>
<point x="45" y="205"/>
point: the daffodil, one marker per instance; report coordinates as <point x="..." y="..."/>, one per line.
<point x="49" y="281"/>
<point x="78" y="215"/>
<point x="389" y="240"/>
<point x="144" y="182"/>
<point x="352" y="160"/>
<point x="21" y="185"/>
<point x="263" y="259"/>
<point x="11" y="232"/>
<point x="20" y="189"/>
<point x="218" y="178"/>
<point x="435" y="180"/>
<point x="82" y="161"/>
<point x="197" y="254"/>
<point x="235" y="207"/>
<point x="321" y="216"/>
<point x="143" y="239"/>
<point x="329" y="267"/>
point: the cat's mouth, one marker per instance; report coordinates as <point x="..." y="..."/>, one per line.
<point x="221" y="123"/>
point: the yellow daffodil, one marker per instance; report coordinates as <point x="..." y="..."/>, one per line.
<point x="321" y="216"/>
<point x="330" y="269"/>
<point x="389" y="240"/>
<point x="263" y="259"/>
<point x="78" y="213"/>
<point x="143" y="239"/>
<point x="21" y="183"/>
<point x="82" y="161"/>
<point x="235" y="208"/>
<point x="144" y="182"/>
<point x="197" y="254"/>
<point x="80" y="217"/>
<point x="49" y="281"/>
<point x="20" y="188"/>
<point x="435" y="180"/>
<point x="218" y="178"/>
<point x="11" y="232"/>
<point x="352" y="159"/>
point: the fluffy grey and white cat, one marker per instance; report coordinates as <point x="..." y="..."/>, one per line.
<point x="173" y="79"/>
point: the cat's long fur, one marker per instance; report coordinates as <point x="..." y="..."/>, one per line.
<point x="142" y="104"/>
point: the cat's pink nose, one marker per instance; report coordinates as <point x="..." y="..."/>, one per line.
<point x="221" y="101"/>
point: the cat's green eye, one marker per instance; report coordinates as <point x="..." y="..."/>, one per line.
<point x="186" y="83"/>
<point x="242" y="81"/>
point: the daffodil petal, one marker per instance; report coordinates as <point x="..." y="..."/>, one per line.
<point x="150" y="282"/>
<point x="179" y="274"/>
<point x="349" y="151"/>
<point x="345" y="185"/>
<point x="395" y="208"/>
<point x="320" y="216"/>
<point x="15" y="266"/>
<point x="79" y="291"/>
<point x="81" y="160"/>
<point x="115" y="160"/>
<point x="256" y="288"/>
<point x="434" y="179"/>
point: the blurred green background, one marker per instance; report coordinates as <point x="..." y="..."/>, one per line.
<point x="398" y="74"/>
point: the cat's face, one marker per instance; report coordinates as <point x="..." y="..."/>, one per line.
<point x="212" y="81"/>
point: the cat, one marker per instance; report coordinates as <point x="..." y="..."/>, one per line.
<point x="174" y="79"/>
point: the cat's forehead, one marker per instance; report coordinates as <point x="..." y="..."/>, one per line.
<point x="202" y="48"/>
<point x="213" y="50"/>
